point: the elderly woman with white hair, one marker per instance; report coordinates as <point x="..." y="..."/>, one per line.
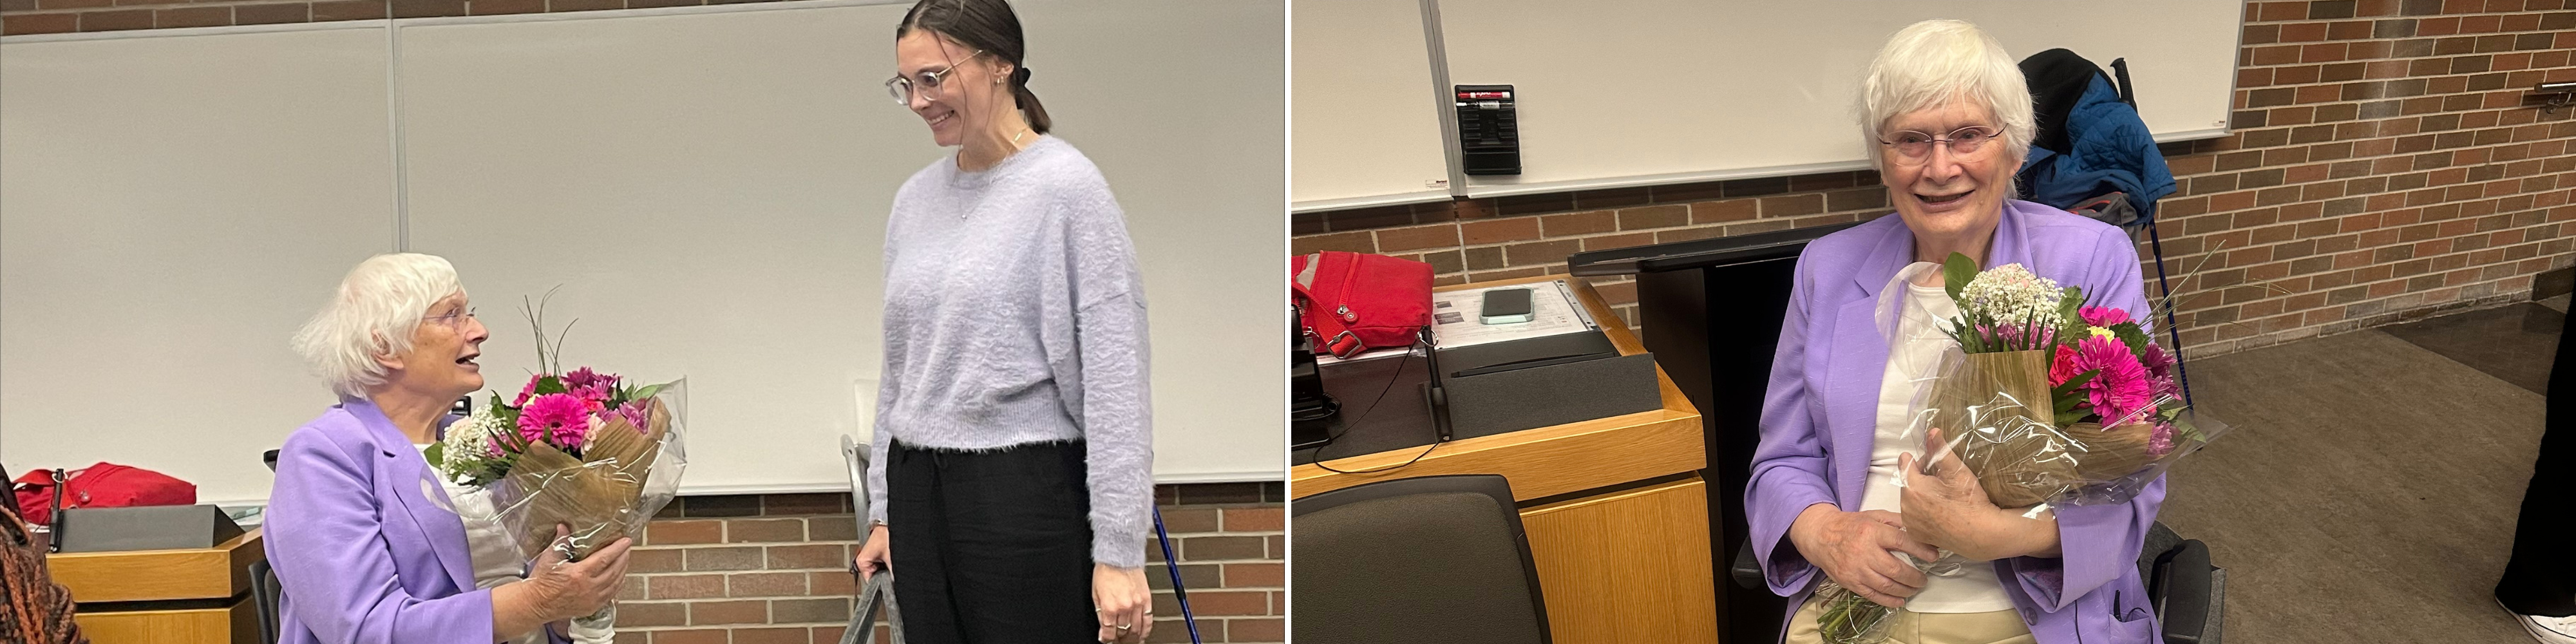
<point x="1949" y="120"/>
<point x="358" y="528"/>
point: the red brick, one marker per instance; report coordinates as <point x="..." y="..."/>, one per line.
<point x="1495" y="231"/>
<point x="261" y="14"/>
<point x="192" y="17"/>
<point x="684" y="586"/>
<point x="1228" y="602"/>
<point x="1269" y="519"/>
<point x="833" y="556"/>
<point x="117" y="20"/>
<point x="764" y="530"/>
<point x="1255" y="575"/>
<point x="652" y="614"/>
<point x="38" y="23"/>
<point x="693" y="636"/>
<point x="1256" y="630"/>
<point x="769" y="635"/>
<point x="1417" y="237"/>
<point x="713" y="613"/>
<point x="652" y="561"/>
<point x="768" y="584"/>
<point x="1581" y="223"/>
<point x="348" y="10"/>
<point x="663" y="533"/>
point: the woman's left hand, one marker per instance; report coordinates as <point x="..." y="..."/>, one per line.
<point x="1948" y="508"/>
<point x="1124" y="603"/>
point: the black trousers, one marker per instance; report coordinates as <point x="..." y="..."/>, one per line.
<point x="991" y="547"/>
<point x="2541" y="578"/>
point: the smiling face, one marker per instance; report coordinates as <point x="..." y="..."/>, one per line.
<point x="1948" y="195"/>
<point x="966" y="95"/>
<point x="441" y="363"/>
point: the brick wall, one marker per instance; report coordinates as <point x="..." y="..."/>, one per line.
<point x="63" y="16"/>
<point x="2384" y="166"/>
<point x="764" y="569"/>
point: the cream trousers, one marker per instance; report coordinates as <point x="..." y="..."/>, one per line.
<point x="1998" y="627"/>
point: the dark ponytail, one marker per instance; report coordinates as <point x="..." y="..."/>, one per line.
<point x="988" y="25"/>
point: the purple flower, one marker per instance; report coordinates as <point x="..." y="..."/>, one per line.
<point x="634" y="414"/>
<point x="584" y="377"/>
<point x="2160" y="441"/>
<point x="2160" y="369"/>
<point x="558" y="419"/>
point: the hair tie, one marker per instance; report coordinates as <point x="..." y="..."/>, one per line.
<point x="1021" y="76"/>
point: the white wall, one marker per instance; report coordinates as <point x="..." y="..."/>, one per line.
<point x="707" y="185"/>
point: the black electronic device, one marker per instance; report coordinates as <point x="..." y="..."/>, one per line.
<point x="1310" y="410"/>
<point x="1506" y="306"/>
<point x="151" y="527"/>
<point x="1489" y="131"/>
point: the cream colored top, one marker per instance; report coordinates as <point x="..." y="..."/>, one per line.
<point x="1912" y="355"/>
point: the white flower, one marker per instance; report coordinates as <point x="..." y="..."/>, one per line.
<point x="2013" y="297"/>
<point x="467" y="448"/>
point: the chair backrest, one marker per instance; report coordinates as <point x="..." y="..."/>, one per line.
<point x="1429" y="559"/>
<point x="855" y="454"/>
<point x="265" y="592"/>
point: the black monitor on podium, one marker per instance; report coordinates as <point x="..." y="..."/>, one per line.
<point x="1710" y="310"/>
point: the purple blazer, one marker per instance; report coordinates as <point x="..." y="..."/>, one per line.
<point x="364" y="553"/>
<point x="1819" y="419"/>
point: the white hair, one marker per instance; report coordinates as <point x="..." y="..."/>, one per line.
<point x="1931" y="63"/>
<point x="373" y="313"/>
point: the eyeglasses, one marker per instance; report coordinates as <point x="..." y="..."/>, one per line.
<point x="901" y="88"/>
<point x="1914" y="148"/>
<point x="451" y="319"/>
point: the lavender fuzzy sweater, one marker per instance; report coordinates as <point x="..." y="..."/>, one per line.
<point x="1014" y="315"/>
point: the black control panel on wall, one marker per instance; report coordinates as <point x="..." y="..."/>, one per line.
<point x="1489" y="133"/>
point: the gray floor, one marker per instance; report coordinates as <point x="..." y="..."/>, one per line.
<point x="2368" y="487"/>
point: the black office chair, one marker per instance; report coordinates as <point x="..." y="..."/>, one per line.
<point x="265" y="593"/>
<point x="264" y="590"/>
<point x="1418" y="560"/>
<point x="2188" y="592"/>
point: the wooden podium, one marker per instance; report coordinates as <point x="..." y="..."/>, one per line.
<point x="1616" y="512"/>
<point x="189" y="596"/>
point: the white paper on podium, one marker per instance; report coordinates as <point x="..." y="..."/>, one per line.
<point x="1455" y="322"/>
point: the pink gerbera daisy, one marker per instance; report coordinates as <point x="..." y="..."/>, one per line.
<point x="558" y="419"/>
<point x="2122" y="386"/>
<point x="2102" y="316"/>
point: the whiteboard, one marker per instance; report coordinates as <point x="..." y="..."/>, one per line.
<point x="1367" y="122"/>
<point x="174" y="208"/>
<point x="1620" y="93"/>
<point x="760" y="206"/>
<point x="708" y="186"/>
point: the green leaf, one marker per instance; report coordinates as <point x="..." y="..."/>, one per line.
<point x="1957" y="272"/>
<point x="2074" y="382"/>
<point x="436" y="455"/>
<point x="649" y="391"/>
<point x="550" y="385"/>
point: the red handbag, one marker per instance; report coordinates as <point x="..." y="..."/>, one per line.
<point x="105" y="485"/>
<point x="1352" y="302"/>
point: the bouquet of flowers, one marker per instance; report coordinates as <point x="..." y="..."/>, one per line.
<point x="2050" y="401"/>
<point x="579" y="448"/>
<point x="2046" y="400"/>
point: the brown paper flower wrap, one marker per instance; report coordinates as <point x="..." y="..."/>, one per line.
<point x="1995" y="406"/>
<point x="598" y="494"/>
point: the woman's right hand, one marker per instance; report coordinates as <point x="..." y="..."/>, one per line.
<point x="872" y="557"/>
<point x="1858" y="550"/>
<point x="576" y="589"/>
